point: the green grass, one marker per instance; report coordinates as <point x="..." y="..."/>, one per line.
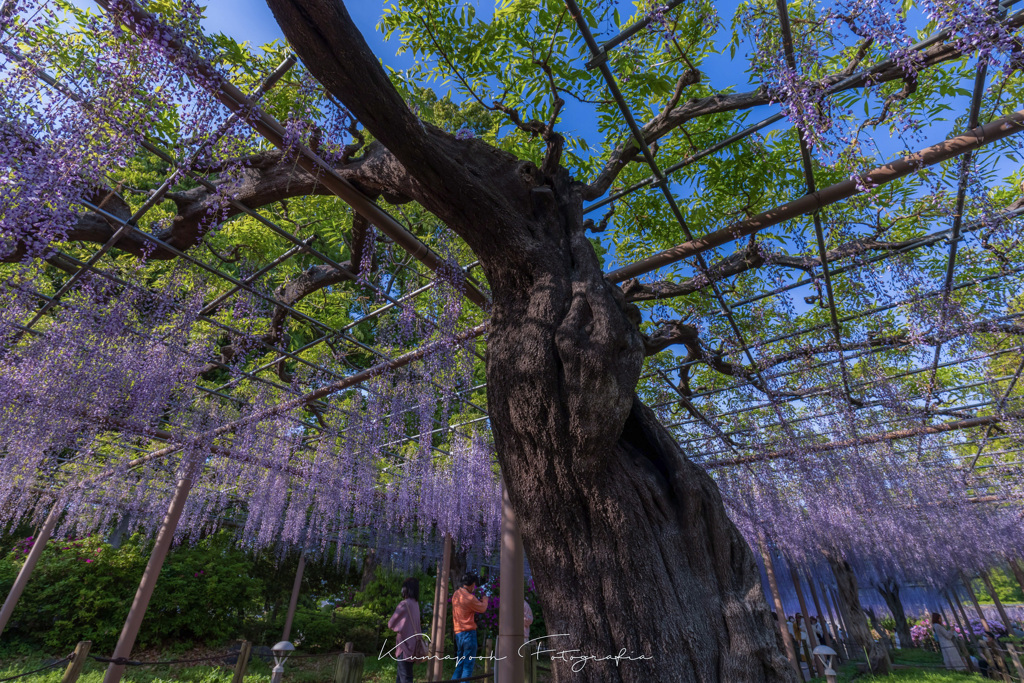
<point x="313" y="670"/>
<point x="318" y="670"/>
<point x="917" y="656"/>
<point x="848" y="672"/>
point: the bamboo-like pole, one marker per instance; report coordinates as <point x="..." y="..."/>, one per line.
<point x="294" y="601"/>
<point x="436" y="664"/>
<point x="511" y="666"/>
<point x="995" y="598"/>
<point x="842" y="622"/>
<point x="145" y="591"/>
<point x="25" y="573"/>
<point x="780" y="612"/>
<point x="1018" y="572"/>
<point x="974" y="599"/>
<point x="433" y="622"/>
<point x="820" y="615"/>
<point x="812" y="637"/>
<point x="840" y="647"/>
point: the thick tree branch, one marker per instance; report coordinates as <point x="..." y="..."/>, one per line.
<point x="271" y="179"/>
<point x="753" y="257"/>
<point x="674" y="116"/>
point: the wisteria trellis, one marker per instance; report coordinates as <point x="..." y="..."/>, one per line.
<point x="113" y="368"/>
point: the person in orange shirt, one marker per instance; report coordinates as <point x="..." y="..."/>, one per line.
<point x="465" y="607"/>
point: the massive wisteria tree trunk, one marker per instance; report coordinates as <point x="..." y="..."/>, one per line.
<point x="628" y="541"/>
<point x="853" y="615"/>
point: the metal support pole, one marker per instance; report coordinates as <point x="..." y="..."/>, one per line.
<point x="156" y="562"/>
<point x="780" y="612"/>
<point x="293" y="603"/>
<point x="38" y="545"/>
<point x="435" y="669"/>
<point x="510" y="665"/>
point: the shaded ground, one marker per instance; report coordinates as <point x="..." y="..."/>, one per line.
<point x="912" y="666"/>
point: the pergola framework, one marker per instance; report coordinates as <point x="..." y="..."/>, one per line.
<point x="271" y="130"/>
<point x="718" y="447"/>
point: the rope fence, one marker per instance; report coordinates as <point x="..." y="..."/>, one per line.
<point x="52" y="665"/>
<point x="124" y="661"/>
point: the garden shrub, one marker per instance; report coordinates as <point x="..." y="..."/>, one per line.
<point x="317" y="631"/>
<point x="82" y="589"/>
<point x="365" y="628"/>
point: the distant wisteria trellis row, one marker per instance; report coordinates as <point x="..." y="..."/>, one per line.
<point x="121" y="365"/>
<point x="110" y="373"/>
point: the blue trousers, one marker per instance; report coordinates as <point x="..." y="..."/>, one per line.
<point x="465" y="649"/>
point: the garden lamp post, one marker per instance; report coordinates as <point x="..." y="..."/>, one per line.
<point x="281" y="652"/>
<point x="825" y="654"/>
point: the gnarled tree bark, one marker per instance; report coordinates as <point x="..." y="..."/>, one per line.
<point x="628" y="541"/>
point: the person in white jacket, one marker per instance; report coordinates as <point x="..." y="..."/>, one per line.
<point x="944" y="637"/>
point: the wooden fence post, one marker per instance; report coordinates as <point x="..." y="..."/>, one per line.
<point x="488" y="653"/>
<point x="531" y="667"/>
<point x="74" y="669"/>
<point x="349" y="667"/>
<point x="242" y="663"/>
<point x="1016" y="660"/>
<point x="1001" y="663"/>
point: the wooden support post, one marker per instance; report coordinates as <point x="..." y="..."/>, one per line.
<point x="242" y="663"/>
<point x="840" y="647"/>
<point x="74" y="669"/>
<point x="974" y="599"/>
<point x="994" y="658"/>
<point x="38" y="545"/>
<point x="294" y="601"/>
<point x="967" y="623"/>
<point x="145" y="591"/>
<point x="801" y="644"/>
<point x="818" y="614"/>
<point x="780" y="612"/>
<point x="987" y="580"/>
<point x="435" y="665"/>
<point x="812" y="637"/>
<point x="842" y="623"/>
<point x="510" y="665"/>
<point x="1018" y="572"/>
<point x="432" y="629"/>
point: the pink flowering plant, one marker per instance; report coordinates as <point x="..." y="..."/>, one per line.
<point x="488" y="621"/>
